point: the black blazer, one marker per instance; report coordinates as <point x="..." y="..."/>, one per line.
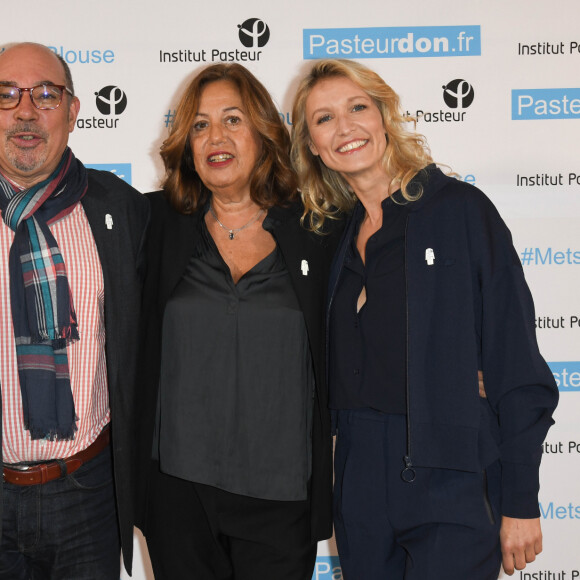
<point x="171" y="240"/>
<point x="120" y="253"/>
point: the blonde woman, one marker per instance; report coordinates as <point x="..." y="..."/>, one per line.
<point x="432" y="480"/>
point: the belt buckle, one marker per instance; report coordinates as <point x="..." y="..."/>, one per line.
<point x="20" y="467"/>
<point x="16" y="467"/>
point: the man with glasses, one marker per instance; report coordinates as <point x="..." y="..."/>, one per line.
<point x="70" y="241"/>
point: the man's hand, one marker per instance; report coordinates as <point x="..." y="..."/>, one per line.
<point x="521" y="540"/>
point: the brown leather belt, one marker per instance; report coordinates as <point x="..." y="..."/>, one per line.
<point x="43" y="472"/>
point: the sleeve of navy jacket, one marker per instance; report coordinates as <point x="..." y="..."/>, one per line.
<point x="519" y="384"/>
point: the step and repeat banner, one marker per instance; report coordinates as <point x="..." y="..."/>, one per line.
<point x="495" y="86"/>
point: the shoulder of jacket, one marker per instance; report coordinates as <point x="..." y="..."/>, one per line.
<point x="117" y="190"/>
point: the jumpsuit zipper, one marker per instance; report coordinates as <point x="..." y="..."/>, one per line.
<point x="408" y="473"/>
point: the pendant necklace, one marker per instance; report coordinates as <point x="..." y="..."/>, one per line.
<point x="233" y="231"/>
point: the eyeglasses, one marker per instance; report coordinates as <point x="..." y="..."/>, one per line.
<point x="42" y="96"/>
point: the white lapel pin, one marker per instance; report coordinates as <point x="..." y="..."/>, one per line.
<point x="304" y="267"/>
<point x="429" y="256"/>
<point x="109" y="221"/>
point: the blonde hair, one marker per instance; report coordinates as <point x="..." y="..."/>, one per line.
<point x="324" y="191"/>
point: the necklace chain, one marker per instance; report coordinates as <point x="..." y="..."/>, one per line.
<point x="233" y="231"/>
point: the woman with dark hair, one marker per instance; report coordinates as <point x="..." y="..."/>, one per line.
<point x="436" y="478"/>
<point x="237" y="471"/>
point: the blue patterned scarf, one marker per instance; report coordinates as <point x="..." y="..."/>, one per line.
<point x="42" y="309"/>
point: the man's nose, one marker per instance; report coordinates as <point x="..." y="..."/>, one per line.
<point x="25" y="109"/>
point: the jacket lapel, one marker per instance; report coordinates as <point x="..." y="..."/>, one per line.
<point x="177" y="250"/>
<point x="96" y="206"/>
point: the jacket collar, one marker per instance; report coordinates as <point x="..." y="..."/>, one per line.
<point x="431" y="179"/>
<point x="279" y="215"/>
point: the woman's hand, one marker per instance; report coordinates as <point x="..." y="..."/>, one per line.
<point x="521" y="541"/>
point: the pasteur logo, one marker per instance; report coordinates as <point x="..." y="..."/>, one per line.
<point x="254" y="33"/>
<point x="111" y="100"/>
<point x="458" y="94"/>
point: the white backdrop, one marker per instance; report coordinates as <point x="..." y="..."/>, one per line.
<point x="499" y="89"/>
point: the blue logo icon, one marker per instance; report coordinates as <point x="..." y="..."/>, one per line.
<point x="122" y="170"/>
<point x="393" y="42"/>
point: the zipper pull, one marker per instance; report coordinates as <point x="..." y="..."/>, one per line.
<point x="408" y="474"/>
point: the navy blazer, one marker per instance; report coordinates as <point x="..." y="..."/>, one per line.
<point x="467" y="309"/>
